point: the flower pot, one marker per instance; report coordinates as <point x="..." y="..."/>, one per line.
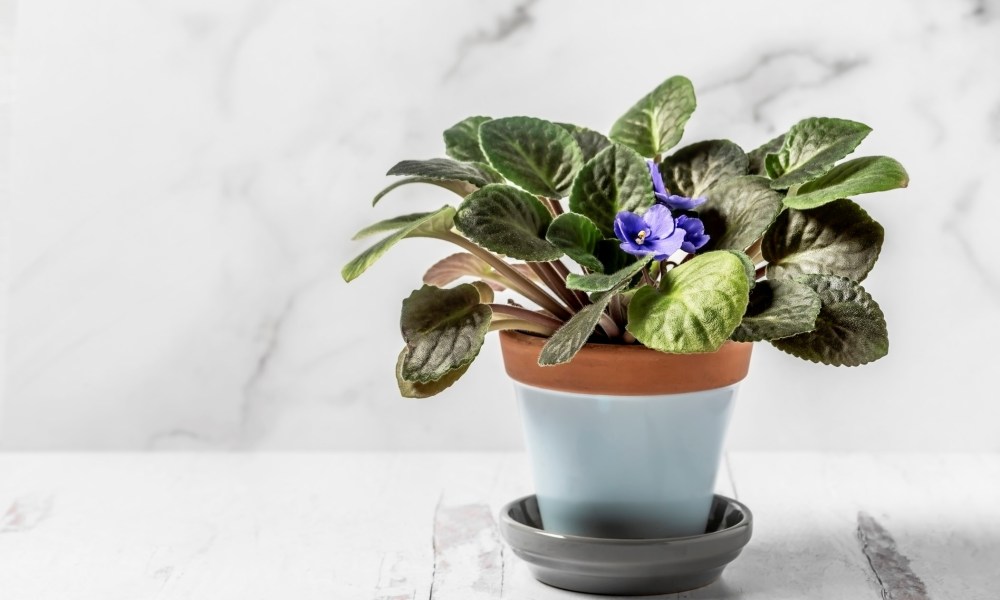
<point x="624" y="441"/>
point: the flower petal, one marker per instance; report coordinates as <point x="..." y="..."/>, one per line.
<point x="662" y="248"/>
<point x="657" y="178"/>
<point x="660" y="221"/>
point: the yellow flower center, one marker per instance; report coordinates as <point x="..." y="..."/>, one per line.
<point x="640" y="238"/>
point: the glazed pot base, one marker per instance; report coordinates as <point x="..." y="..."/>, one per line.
<point x="627" y="567"/>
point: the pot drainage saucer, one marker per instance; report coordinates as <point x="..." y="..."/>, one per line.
<point x="627" y="566"/>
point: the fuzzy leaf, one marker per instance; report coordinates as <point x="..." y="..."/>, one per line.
<point x="422" y="225"/>
<point x="737" y="212"/>
<point x="461" y="178"/>
<point x="838" y="238"/>
<point x="850" y="329"/>
<point x="577" y="236"/>
<point x="656" y="123"/>
<point x="859" y="176"/>
<point x="563" y="345"/>
<point x="461" y="140"/>
<point x="698" y="306"/>
<point x="393" y="224"/>
<point x="444" y="330"/>
<point x="590" y="141"/>
<point x="778" y="309"/>
<point x="757" y="155"/>
<point x="693" y="169"/>
<point x="462" y="188"/>
<point x="811" y="148"/>
<point x="507" y="220"/>
<point x="416" y="389"/>
<point x="600" y="282"/>
<point x="614" y="180"/>
<point x="451" y="268"/>
<point x="611" y="255"/>
<point x="541" y="157"/>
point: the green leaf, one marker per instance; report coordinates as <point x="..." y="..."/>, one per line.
<point x="444" y="330"/>
<point x="462" y="188"/>
<point x="590" y="141"/>
<point x="859" y="176"/>
<point x="393" y="224"/>
<point x="611" y="255"/>
<point x="810" y="149"/>
<point x="737" y="211"/>
<point x="537" y="155"/>
<point x="698" y="307"/>
<point x="757" y="155"/>
<point x="850" y="329"/>
<point x="563" y="345"/>
<point x="778" y="309"/>
<point x="838" y="238"/>
<point x="693" y="169"/>
<point x="599" y="282"/>
<point x="614" y="180"/>
<point x="461" y="140"/>
<point x="416" y="389"/>
<point x="507" y="220"/>
<point x="577" y="236"/>
<point x="422" y="225"/>
<point x="656" y="123"/>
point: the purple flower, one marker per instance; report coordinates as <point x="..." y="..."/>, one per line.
<point x="651" y="233"/>
<point x="694" y="232"/>
<point x="671" y="201"/>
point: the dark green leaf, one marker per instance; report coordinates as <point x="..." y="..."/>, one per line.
<point x="693" y="169"/>
<point x="461" y="140"/>
<point x="462" y="188"/>
<point x="416" y="389"/>
<point x="838" y="238"/>
<point x="577" y="236"/>
<point x="614" y="180"/>
<point x="737" y="212"/>
<point x="461" y="178"/>
<point x="859" y="176"/>
<point x="810" y="149"/>
<point x="599" y="282"/>
<point x="611" y="255"/>
<point x="656" y="123"/>
<point x="850" y="329"/>
<point x="757" y="155"/>
<point x="563" y="345"/>
<point x="590" y="141"/>
<point x="444" y="330"/>
<point x="778" y="309"/>
<point x="422" y="225"/>
<point x="537" y="155"/>
<point x="698" y="306"/>
<point x="507" y="220"/>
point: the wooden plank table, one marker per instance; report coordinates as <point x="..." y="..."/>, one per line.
<point x="422" y="526"/>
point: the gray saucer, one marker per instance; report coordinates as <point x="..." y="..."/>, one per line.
<point x="627" y="567"/>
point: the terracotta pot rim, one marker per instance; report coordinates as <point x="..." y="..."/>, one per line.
<point x="624" y="369"/>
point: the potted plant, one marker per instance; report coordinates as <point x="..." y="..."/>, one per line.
<point x="627" y="360"/>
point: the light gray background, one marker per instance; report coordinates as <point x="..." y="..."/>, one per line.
<point x="186" y="176"/>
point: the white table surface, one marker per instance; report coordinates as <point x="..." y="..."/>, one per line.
<point x="419" y="526"/>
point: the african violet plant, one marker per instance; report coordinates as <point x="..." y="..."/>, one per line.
<point x="679" y="253"/>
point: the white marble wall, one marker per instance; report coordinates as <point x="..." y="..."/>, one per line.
<point x="187" y="173"/>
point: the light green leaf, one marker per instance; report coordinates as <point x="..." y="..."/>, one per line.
<point x="444" y="330"/>
<point x="810" y="149"/>
<point x="462" y="188"/>
<point x="426" y="225"/>
<point x="577" y="236"/>
<point x="393" y="224"/>
<point x="537" y="155"/>
<point x="859" y="176"/>
<point x="563" y="345"/>
<point x="590" y="141"/>
<point x="656" y="123"/>
<point x="757" y="155"/>
<point x="693" y="169"/>
<point x="461" y="140"/>
<point x="778" y="309"/>
<point x="838" y="238"/>
<point x="599" y="282"/>
<point x="614" y="180"/>
<point x="507" y="220"/>
<point x="416" y="389"/>
<point x="737" y="212"/>
<point x="698" y="307"/>
<point x="850" y="329"/>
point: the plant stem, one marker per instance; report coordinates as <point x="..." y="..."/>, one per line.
<point x="523" y="314"/>
<point x="562" y="271"/>
<point x="609" y="326"/>
<point x="518" y="282"/>
<point x="760" y="273"/>
<point x="754" y="251"/>
<point x="553" y="205"/>
<point x="548" y="276"/>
